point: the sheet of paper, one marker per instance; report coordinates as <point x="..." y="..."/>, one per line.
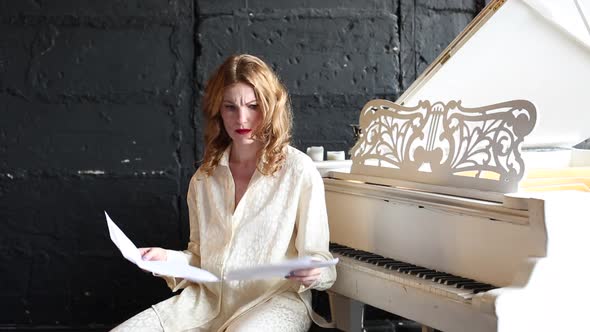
<point x="277" y="270"/>
<point x="131" y="253"/>
<point x="185" y="271"/>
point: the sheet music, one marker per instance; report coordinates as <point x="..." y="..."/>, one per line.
<point x="278" y="269"/>
<point x="185" y="271"/>
<point x="131" y="253"/>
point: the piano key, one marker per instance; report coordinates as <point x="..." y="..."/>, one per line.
<point x="418" y="270"/>
<point x="334" y="246"/>
<point x="471" y="285"/>
<point x="431" y="275"/>
<point x="439" y="282"/>
<point x="356" y="253"/>
<point x="443" y="278"/>
<point x="406" y="268"/>
<point x="454" y="281"/>
<point x="346" y="251"/>
<point x="363" y="255"/>
<point x="483" y="289"/>
<point x="378" y="260"/>
<point x="389" y="263"/>
<point x="367" y="258"/>
<point x="397" y="266"/>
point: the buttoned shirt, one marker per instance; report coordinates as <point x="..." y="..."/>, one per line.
<point x="280" y="216"/>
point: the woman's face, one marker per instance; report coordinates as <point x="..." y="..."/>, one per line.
<point x="240" y="113"/>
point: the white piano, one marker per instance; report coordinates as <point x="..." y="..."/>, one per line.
<point x="466" y="207"/>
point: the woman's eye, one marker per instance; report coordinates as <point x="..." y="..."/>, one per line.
<point x="253" y="106"/>
<point x="229" y="107"/>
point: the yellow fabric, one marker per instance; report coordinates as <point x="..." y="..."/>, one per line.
<point x="279" y="217"/>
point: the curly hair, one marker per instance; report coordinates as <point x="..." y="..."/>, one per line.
<point x="274" y="130"/>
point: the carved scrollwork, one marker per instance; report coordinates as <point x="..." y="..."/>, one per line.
<point x="445" y="144"/>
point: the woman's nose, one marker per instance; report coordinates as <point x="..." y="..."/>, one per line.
<point x="242" y="115"/>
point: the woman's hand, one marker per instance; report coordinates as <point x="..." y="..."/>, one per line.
<point x="305" y="276"/>
<point x="153" y="254"/>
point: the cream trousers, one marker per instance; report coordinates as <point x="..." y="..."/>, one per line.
<point x="284" y="312"/>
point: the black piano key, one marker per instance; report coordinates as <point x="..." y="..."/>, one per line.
<point x="369" y="257"/>
<point x="337" y="247"/>
<point x="462" y="284"/>
<point x="341" y="250"/>
<point x="418" y="270"/>
<point x="344" y="249"/>
<point x="396" y="265"/>
<point x="431" y="274"/>
<point x="442" y="279"/>
<point x="378" y="260"/>
<point x="483" y="289"/>
<point x="473" y="285"/>
<point x="386" y="262"/>
<point x="454" y="281"/>
<point x="406" y="268"/>
<point x="362" y="255"/>
<point x="349" y="252"/>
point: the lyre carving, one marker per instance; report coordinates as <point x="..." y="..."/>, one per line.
<point x="445" y="144"/>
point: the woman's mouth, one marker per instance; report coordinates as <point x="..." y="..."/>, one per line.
<point x="243" y="131"/>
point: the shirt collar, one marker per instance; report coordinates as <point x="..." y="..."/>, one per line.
<point x="224" y="160"/>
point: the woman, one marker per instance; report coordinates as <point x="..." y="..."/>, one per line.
<point x="254" y="200"/>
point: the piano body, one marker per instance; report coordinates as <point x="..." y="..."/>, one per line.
<point x="462" y="210"/>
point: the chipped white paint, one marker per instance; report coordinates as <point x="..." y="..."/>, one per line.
<point x="91" y="172"/>
<point x="125" y="161"/>
<point x="9" y="176"/>
<point x="144" y="173"/>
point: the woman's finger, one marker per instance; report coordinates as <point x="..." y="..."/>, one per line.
<point x="148" y="255"/>
<point x="304" y="273"/>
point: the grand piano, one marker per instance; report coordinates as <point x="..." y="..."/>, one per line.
<point x="466" y="207"/>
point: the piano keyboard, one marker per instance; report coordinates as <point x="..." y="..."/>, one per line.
<point x="413" y="275"/>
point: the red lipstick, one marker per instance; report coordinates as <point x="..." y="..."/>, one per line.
<point x="243" y="131"/>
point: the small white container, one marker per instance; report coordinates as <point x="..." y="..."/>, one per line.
<point x="316" y="153"/>
<point x="335" y="155"/>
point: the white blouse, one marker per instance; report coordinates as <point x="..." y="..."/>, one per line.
<point x="280" y="216"/>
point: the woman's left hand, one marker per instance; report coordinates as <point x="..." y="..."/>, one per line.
<point x="305" y="276"/>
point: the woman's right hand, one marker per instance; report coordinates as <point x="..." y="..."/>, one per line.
<point x="153" y="254"/>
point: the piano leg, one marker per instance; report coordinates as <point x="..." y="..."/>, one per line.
<point x="348" y="314"/>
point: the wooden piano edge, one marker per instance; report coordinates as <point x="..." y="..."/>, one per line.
<point x="419" y="305"/>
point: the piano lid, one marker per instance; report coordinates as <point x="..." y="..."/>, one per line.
<point x="520" y="49"/>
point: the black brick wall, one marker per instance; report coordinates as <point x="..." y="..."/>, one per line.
<point x="99" y="110"/>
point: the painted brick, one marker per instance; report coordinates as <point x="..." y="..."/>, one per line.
<point x="230" y="6"/>
<point x="82" y="201"/>
<point x="335" y="134"/>
<point x="118" y="61"/>
<point x="312" y="54"/>
<point x="62" y="253"/>
<point x="437" y="23"/>
<point x="116" y="8"/>
<point x="15" y="57"/>
<point x="107" y="138"/>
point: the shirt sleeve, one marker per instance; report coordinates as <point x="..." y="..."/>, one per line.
<point x="313" y="235"/>
<point x="192" y="255"/>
